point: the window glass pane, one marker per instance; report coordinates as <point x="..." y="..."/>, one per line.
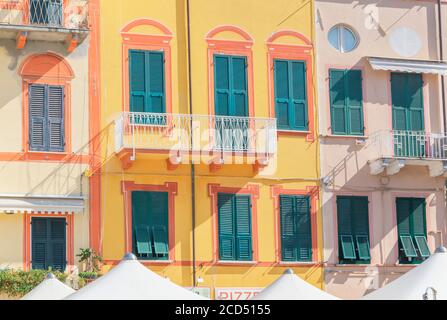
<point x="349" y="40"/>
<point x="342" y="38"/>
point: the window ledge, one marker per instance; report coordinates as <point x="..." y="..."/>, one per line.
<point x="297" y="263"/>
<point x="293" y="132"/>
<point x="156" y="262"/>
<point x="337" y="136"/>
<point x="237" y="263"/>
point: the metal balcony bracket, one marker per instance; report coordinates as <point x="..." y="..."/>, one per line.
<point x="21" y="38"/>
<point x="437" y="168"/>
<point x="126" y="159"/>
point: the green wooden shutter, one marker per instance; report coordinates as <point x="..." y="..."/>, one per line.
<point x="48" y="237"/>
<point x="37" y="118"/>
<point x="416" y="101"/>
<point x="403" y="208"/>
<point x="39" y="235"/>
<point x="156" y="86"/>
<point x="222" y="85"/>
<point x="282" y="93"/>
<point x="239" y="87"/>
<point x="353" y="227"/>
<point x="303" y="228"/>
<point x="338" y="101"/>
<point x="58" y="256"/>
<point x="227" y="232"/>
<point x="244" y="251"/>
<point x="291" y="95"/>
<point x="299" y="96"/>
<point x="355" y="102"/>
<point x="138" y="81"/>
<point x="418" y="217"/>
<point x="56" y="129"/>
<point x="288" y="234"/>
<point x="147" y="81"/>
<point x="150" y="225"/>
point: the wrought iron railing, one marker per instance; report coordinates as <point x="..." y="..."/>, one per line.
<point x="410" y="144"/>
<point x="71" y="14"/>
<point x="179" y="133"/>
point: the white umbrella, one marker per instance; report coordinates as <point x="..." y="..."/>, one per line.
<point x="428" y="281"/>
<point x="291" y="287"/>
<point x="130" y="280"/>
<point x="49" y="289"/>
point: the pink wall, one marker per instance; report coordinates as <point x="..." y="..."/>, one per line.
<point x="345" y="162"/>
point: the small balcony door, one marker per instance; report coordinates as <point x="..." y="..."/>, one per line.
<point x="231" y="102"/>
<point x="408" y="115"/>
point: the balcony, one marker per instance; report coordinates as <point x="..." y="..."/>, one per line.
<point x="208" y="139"/>
<point x="44" y="20"/>
<point x="393" y="150"/>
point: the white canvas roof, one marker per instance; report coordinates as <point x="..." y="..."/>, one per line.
<point x="130" y="280"/>
<point x="49" y="289"/>
<point x="291" y="287"/>
<point x="418" y="282"/>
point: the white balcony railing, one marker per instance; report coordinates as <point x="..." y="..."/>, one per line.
<point x="180" y="133"/>
<point x="410" y="145"/>
<point x="71" y="14"/>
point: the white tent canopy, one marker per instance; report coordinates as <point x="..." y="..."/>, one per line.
<point x="427" y="281"/>
<point x="130" y="280"/>
<point x="291" y="287"/>
<point x="49" y="289"/>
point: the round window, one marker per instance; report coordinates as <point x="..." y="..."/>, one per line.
<point x="342" y="38"/>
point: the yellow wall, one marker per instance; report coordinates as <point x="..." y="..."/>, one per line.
<point x="297" y="159"/>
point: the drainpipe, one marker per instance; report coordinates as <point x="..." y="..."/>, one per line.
<point x="441" y="58"/>
<point x="193" y="168"/>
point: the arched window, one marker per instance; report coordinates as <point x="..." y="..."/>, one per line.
<point x="46" y="106"/>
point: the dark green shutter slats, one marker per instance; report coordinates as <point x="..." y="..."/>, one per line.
<point x="235" y="233"/>
<point x="150" y="224"/>
<point x="230" y="86"/>
<point x="422" y="245"/>
<point x="412" y="229"/>
<point x="48" y="243"/>
<point x="353" y="229"/>
<point x="46" y="118"/>
<point x="408" y="246"/>
<point x="347" y="247"/>
<point x="291" y="95"/>
<point x="296" y="228"/>
<point x="147" y="81"/>
<point x="243" y="228"/>
<point x="56" y="118"/>
<point x="346" y="101"/>
<point x="363" y="247"/>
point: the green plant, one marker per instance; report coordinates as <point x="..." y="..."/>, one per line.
<point x="17" y="283"/>
<point x="88" y="275"/>
<point x="91" y="259"/>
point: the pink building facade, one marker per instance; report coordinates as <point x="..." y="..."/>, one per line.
<point x="383" y="141"/>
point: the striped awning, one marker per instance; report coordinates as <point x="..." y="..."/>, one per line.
<point x="12" y="204"/>
<point x="410" y="66"/>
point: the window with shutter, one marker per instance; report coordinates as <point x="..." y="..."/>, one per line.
<point x="353" y="229"/>
<point x="231" y="100"/>
<point x="150" y="225"/>
<point x="235" y="229"/>
<point x="291" y="95"/>
<point x="46" y="118"/>
<point x="412" y="230"/>
<point x="346" y="101"/>
<point x="147" y="81"/>
<point x="48" y="243"/>
<point x="296" y="228"/>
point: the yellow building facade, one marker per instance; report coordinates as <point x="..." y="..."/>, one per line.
<point x="208" y="132"/>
